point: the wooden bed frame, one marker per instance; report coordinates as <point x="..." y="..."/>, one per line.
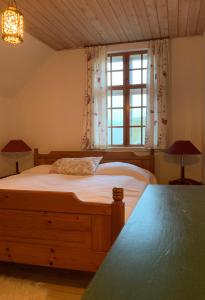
<point x="56" y="229"/>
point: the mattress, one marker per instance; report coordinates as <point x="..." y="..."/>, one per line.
<point x="95" y="188"/>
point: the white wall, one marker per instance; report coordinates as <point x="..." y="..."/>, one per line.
<point x="49" y="109"/>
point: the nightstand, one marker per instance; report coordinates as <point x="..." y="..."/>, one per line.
<point x="185" y="181"/>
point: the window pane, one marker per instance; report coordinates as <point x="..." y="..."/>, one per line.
<point x="117" y="78"/>
<point x="144" y="116"/>
<point x="135" y="117"/>
<point x="109" y="117"/>
<point x="117" y="117"/>
<point x="135" y="101"/>
<point x="117" y="63"/>
<point x="135" y="77"/>
<point x="143" y="135"/>
<point x="145" y="60"/>
<point x="117" y="136"/>
<point x="108" y="78"/>
<point x="135" y="97"/>
<point x="108" y="99"/>
<point x="109" y="136"/>
<point x="135" y="136"/>
<point x="117" y="98"/>
<point x="108" y="64"/>
<point x="135" y="61"/>
<point x="144" y="76"/>
<point x="144" y="97"/>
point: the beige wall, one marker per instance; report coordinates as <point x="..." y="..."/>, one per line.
<point x="6" y="125"/>
<point x="18" y="66"/>
<point x="185" y="108"/>
<point x="186" y="97"/>
<point x="19" y="63"/>
<point x="49" y="109"/>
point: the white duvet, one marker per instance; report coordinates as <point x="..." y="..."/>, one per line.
<point x="97" y="188"/>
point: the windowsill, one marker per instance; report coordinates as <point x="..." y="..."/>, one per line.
<point x="128" y="148"/>
<point x="132" y="149"/>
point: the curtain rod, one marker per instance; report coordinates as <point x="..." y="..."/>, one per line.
<point x="130" y="42"/>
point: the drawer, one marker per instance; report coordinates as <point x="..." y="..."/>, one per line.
<point x="60" y="257"/>
<point x="69" y="222"/>
<point x="48" y="228"/>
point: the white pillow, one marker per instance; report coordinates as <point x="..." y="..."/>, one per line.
<point x="76" y="166"/>
<point x="42" y="169"/>
<point x="120" y="168"/>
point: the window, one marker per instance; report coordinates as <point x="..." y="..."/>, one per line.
<point x="127" y="98"/>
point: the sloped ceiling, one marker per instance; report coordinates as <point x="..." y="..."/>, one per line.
<point x="18" y="63"/>
<point x="64" y="24"/>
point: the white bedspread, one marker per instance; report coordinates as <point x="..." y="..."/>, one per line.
<point x="96" y="188"/>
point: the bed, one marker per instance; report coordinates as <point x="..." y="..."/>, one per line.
<point x="48" y="220"/>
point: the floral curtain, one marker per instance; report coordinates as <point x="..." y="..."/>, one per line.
<point x="95" y="112"/>
<point x="156" y="127"/>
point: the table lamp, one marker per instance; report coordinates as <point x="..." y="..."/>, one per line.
<point x="183" y="148"/>
<point x="16" y="146"/>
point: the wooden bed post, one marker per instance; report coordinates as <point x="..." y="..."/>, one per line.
<point x="118" y="212"/>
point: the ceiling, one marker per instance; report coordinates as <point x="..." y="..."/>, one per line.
<point x="64" y="24"/>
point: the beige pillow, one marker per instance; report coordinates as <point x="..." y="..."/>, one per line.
<point x="76" y="166"/>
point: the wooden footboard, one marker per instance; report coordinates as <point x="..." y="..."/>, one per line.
<point x="57" y="229"/>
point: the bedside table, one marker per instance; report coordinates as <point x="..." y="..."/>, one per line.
<point x="185" y="181"/>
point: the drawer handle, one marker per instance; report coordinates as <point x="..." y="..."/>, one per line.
<point x="52" y="250"/>
<point x="7" y="249"/>
<point x="51" y="263"/>
<point x="49" y="222"/>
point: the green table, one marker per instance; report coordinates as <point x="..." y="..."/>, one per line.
<point x="160" y="253"/>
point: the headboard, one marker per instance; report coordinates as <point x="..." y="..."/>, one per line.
<point x="143" y="161"/>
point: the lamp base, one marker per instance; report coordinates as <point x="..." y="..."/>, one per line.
<point x="184" y="181"/>
<point x="17" y="167"/>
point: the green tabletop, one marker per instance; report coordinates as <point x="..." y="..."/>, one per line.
<point x="160" y="253"/>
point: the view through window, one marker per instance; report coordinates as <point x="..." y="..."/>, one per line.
<point x="127" y="98"/>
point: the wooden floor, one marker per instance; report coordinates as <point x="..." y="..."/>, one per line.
<point x="60" y="284"/>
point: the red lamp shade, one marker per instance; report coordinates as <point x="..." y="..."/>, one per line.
<point x="183" y="148"/>
<point x="16" y="146"/>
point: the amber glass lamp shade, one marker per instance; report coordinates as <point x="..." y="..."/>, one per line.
<point x="12" y="24"/>
<point x="16" y="146"/>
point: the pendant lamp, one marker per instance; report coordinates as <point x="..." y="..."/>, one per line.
<point x="12" y="24"/>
